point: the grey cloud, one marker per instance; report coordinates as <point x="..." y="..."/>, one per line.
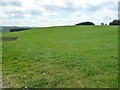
<point x="52" y="8"/>
<point x="10" y="3"/>
<point x="34" y="12"/>
<point x="19" y="14"/>
<point x="44" y="20"/>
<point x="94" y="8"/>
<point x="31" y="11"/>
<point x="115" y="7"/>
<point x="107" y="18"/>
<point x="64" y="11"/>
<point x="13" y="11"/>
<point x="16" y="16"/>
<point x="69" y="7"/>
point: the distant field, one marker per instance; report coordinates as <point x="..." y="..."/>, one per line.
<point x="66" y="57"/>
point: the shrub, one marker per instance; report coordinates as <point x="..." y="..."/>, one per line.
<point x="86" y="23"/>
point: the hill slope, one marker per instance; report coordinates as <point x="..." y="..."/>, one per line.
<point x="76" y="56"/>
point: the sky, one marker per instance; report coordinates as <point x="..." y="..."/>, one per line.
<point x="44" y="13"/>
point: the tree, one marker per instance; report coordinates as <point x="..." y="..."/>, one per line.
<point x="86" y="23"/>
<point x="14" y="29"/>
<point x="105" y="24"/>
<point x="115" y="22"/>
<point x="102" y="24"/>
<point x="110" y="23"/>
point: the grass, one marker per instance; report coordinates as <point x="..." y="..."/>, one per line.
<point x="0" y="61"/>
<point x="66" y="57"/>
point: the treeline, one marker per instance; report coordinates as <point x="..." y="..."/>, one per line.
<point x="18" y="29"/>
<point x="114" y="22"/>
<point x="86" y="23"/>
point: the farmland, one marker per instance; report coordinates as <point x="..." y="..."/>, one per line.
<point x="66" y="57"/>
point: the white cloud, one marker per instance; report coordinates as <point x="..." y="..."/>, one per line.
<point x="57" y="12"/>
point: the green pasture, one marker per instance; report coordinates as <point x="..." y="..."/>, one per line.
<point x="61" y="57"/>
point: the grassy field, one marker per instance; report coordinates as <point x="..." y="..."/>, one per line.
<point x="66" y="57"/>
<point x="0" y="60"/>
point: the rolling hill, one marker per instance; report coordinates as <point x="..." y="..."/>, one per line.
<point x="62" y="57"/>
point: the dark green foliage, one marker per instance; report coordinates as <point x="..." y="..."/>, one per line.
<point x="102" y="24"/>
<point x="18" y="29"/>
<point x="86" y="23"/>
<point x="115" y="22"/>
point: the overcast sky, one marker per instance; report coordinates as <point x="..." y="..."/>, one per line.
<point x="56" y="12"/>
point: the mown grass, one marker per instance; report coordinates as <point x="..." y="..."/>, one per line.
<point x="66" y="57"/>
